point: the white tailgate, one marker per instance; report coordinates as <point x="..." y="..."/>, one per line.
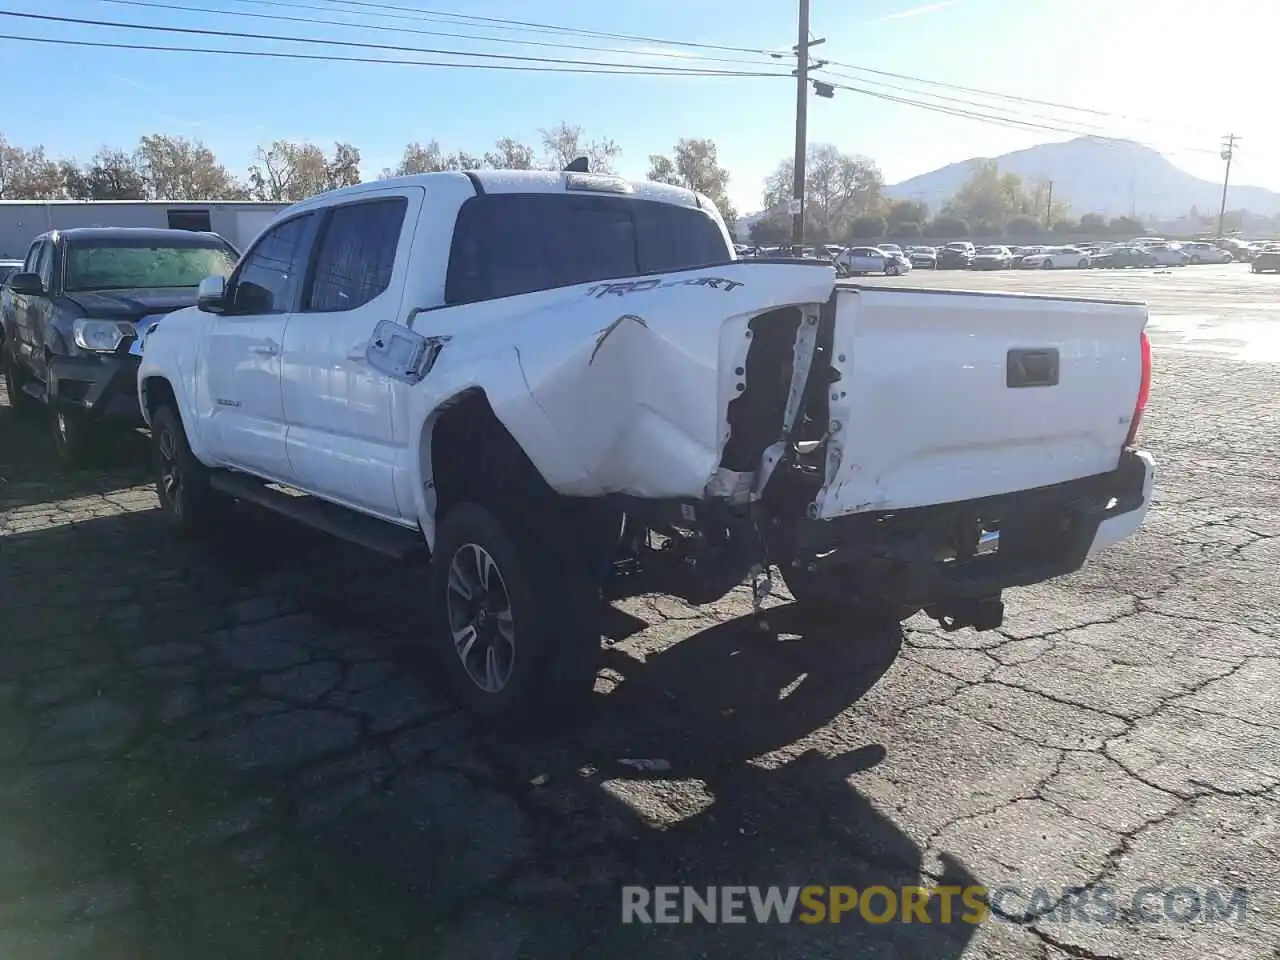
<point x="925" y="411"/>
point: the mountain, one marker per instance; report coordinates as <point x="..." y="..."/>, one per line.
<point x="1095" y="175"/>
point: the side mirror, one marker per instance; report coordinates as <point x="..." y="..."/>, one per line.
<point x="27" y="284"/>
<point x="211" y="295"/>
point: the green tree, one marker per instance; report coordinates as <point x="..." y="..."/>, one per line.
<point x="1126" y="227"/>
<point x="773" y="227"/>
<point x="1063" y="227"/>
<point x="948" y="225"/>
<point x="1093" y="223"/>
<point x="695" y="166"/>
<point x="110" y="175"/>
<point x="992" y="198"/>
<point x="906" y="211"/>
<point x="867" y="227"/>
<point x="1023" y="226"/>
<point x="905" y="231"/>
<point x="509" y="154"/>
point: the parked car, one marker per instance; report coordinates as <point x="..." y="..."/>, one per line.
<point x="1056" y="258"/>
<point x="955" y="256"/>
<point x="1168" y="254"/>
<point x="856" y="261"/>
<point x="1200" y="252"/>
<point x="73" y="317"/>
<point x="1118" y="257"/>
<point x="464" y="379"/>
<point x="1267" y="259"/>
<point x="1019" y="253"/>
<point x="923" y="257"/>
<point x="7" y="269"/>
<point x="991" y="258"/>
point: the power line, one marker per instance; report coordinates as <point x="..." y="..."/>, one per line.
<point x="608" y="70"/>
<point x="430" y="33"/>
<point x="356" y="44"/>
<point x="505" y="23"/>
<point x="997" y="119"/>
<point x="978" y="91"/>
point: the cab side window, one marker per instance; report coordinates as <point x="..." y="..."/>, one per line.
<point x="356" y="254"/>
<point x="270" y="277"/>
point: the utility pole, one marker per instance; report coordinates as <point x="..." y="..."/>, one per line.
<point x="1228" y="151"/>
<point x="1048" y="208"/>
<point x="803" y="43"/>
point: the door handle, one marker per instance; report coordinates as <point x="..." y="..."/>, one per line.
<point x="265" y="349"/>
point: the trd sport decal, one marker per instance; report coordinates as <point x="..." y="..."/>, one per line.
<point x="640" y="286"/>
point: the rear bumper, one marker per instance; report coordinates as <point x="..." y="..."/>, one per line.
<point x="930" y="555"/>
<point x="100" y="387"/>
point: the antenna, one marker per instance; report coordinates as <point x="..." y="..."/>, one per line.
<point x="577" y="166"/>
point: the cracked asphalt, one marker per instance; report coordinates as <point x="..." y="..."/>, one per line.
<point x="238" y="750"/>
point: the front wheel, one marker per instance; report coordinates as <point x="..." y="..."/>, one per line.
<point x="189" y="505"/>
<point x="74" y="439"/>
<point x="1195" y="259"/>
<point x="1046" y="265"/>
<point x="1083" y="265"/>
<point x="892" y="270"/>
<point x="517" y="626"/>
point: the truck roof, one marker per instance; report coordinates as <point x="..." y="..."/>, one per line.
<point x="159" y="234"/>
<point x="513" y="181"/>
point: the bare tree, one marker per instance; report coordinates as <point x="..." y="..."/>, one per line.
<point x="293" y="170"/>
<point x="28" y="174"/>
<point x="508" y="154"/>
<point x="562" y="144"/>
<point x="176" y="168"/>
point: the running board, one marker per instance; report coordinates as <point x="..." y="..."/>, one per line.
<point x="368" y="532"/>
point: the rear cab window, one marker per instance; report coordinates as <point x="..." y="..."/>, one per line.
<point x="509" y="244"/>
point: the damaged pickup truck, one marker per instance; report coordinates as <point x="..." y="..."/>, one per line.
<point x="547" y="378"/>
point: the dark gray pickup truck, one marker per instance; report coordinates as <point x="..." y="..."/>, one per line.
<point x="74" y="315"/>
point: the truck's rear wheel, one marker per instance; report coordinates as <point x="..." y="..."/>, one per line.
<point x="824" y="596"/>
<point x="189" y="505"/>
<point x="517" y="628"/>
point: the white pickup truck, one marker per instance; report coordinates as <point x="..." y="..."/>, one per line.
<point x="541" y="376"/>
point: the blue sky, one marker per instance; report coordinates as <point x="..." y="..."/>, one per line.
<point x="1173" y="73"/>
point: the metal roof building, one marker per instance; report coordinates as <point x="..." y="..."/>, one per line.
<point x="240" y="221"/>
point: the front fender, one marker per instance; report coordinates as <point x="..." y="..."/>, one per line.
<point x="169" y="354"/>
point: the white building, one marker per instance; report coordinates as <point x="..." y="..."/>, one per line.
<point x="239" y="221"/>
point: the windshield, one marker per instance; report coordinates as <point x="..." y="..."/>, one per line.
<point x="991" y="250"/>
<point x="132" y="264"/>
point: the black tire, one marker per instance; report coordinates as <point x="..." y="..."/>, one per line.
<point x="1046" y="265"/>
<point x="816" y="597"/>
<point x="546" y="658"/>
<point x="20" y="402"/>
<point x="1196" y="258"/>
<point x="75" y="440"/>
<point x="189" y="505"/>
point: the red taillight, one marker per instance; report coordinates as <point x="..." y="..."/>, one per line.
<point x="1144" y="391"/>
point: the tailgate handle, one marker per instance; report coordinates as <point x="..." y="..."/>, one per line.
<point x="1032" y="368"/>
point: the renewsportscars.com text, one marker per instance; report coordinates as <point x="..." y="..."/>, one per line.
<point x="942" y="904"/>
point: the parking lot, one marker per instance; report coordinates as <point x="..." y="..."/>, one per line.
<point x="237" y="750"/>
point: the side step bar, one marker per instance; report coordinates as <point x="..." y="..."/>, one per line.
<point x="385" y="538"/>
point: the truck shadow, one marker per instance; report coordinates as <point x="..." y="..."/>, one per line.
<point x="758" y="733"/>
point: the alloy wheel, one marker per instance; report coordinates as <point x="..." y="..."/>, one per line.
<point x="478" y="606"/>
<point x="170" y="470"/>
